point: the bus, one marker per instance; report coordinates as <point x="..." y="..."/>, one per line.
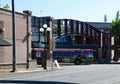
<point x="64" y="55"/>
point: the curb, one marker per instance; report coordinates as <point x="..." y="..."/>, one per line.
<point x="38" y="69"/>
<point x="9" y="71"/>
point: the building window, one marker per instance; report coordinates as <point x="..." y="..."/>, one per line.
<point x="35" y="34"/>
<point x="33" y="21"/>
<point x="37" y="22"/>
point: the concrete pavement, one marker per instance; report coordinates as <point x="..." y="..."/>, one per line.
<point x="39" y="68"/>
<point x="62" y="66"/>
<point x="21" y="70"/>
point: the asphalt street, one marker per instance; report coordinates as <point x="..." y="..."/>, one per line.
<point x="81" y="74"/>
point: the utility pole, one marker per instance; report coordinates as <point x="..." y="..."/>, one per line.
<point x="14" y="37"/>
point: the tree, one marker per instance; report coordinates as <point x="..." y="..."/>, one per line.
<point x="55" y="29"/>
<point x="115" y="31"/>
<point x="6" y="6"/>
<point x="117" y="15"/>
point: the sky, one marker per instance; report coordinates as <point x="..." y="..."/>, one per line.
<point x="82" y="10"/>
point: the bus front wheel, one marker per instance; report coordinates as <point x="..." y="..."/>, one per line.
<point x="77" y="62"/>
<point x="39" y="61"/>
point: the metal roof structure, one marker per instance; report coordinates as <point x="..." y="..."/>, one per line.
<point x="100" y="25"/>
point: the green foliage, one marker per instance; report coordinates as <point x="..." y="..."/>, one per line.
<point x="55" y="29"/>
<point x="72" y="60"/>
<point x="117" y="15"/>
<point x="115" y="29"/>
<point x="6" y="6"/>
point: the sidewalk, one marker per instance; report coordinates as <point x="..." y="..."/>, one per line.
<point x="38" y="69"/>
<point x="25" y="70"/>
<point x="21" y="70"/>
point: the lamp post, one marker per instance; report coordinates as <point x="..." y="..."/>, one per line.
<point x="101" y="45"/>
<point x="108" y="47"/>
<point x="28" y="14"/>
<point x="44" y="30"/>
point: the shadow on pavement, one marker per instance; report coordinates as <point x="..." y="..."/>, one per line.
<point x="115" y="63"/>
<point x="32" y="82"/>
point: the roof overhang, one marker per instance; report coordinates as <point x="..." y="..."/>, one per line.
<point x="4" y="42"/>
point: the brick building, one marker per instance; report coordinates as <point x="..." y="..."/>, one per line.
<point x="23" y="41"/>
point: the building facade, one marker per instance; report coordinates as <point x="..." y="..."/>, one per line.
<point x="22" y="35"/>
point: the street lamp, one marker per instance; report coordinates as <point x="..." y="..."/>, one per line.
<point x="44" y="30"/>
<point x="108" y="46"/>
<point x="28" y="14"/>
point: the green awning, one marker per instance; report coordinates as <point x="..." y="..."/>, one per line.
<point x="4" y="43"/>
